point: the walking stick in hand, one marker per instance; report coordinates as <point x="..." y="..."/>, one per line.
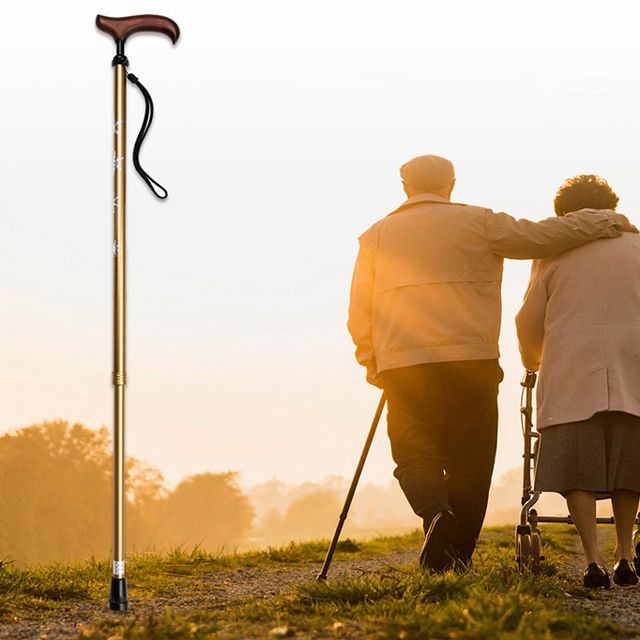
<point x="120" y="29"/>
<point x="352" y="489"/>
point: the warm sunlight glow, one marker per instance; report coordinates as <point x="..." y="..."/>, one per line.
<point x="239" y="359"/>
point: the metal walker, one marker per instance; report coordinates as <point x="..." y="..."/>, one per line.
<point x="528" y="538"/>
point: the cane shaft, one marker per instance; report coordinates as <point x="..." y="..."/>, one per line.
<point x="352" y="489"/>
<point x="118" y="484"/>
<point x="119" y="314"/>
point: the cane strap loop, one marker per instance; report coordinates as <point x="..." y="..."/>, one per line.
<point x="160" y="191"/>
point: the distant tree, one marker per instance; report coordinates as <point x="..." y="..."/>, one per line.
<point x="209" y="510"/>
<point x="145" y="494"/>
<point x="312" y="515"/>
<point x="505" y="500"/>
<point x="382" y="507"/>
<point x="55" y="492"/>
<point x="269" y="495"/>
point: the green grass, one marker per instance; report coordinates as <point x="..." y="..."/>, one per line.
<point x="41" y="590"/>
<point x="38" y="591"/>
<point x="489" y="602"/>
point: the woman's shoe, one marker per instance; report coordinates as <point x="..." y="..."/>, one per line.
<point x="596" y="577"/>
<point x="623" y="574"/>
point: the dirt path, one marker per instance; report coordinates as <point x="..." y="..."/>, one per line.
<point x="209" y="590"/>
<point x="618" y="603"/>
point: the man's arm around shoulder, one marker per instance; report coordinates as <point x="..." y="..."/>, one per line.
<point x="524" y="239"/>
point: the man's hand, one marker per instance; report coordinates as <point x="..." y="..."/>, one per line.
<point x="619" y="221"/>
<point x="372" y="377"/>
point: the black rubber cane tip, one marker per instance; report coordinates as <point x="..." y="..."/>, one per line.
<point x="118" y="595"/>
<point x="321" y="577"/>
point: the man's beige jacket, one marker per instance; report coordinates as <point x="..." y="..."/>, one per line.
<point x="580" y="324"/>
<point x="426" y="284"/>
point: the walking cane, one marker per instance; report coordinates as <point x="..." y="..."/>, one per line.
<point x="352" y="489"/>
<point x="120" y="29"/>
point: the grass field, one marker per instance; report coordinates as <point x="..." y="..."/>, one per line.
<point x="491" y="601"/>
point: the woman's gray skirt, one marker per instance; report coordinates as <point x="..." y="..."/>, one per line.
<point x="599" y="454"/>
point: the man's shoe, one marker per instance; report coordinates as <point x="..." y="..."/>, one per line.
<point x="438" y="552"/>
<point x="623" y="574"/>
<point x="595" y="577"/>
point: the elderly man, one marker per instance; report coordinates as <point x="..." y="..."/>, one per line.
<point x="425" y="318"/>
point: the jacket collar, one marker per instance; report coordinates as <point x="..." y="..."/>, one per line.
<point x="425" y="197"/>
<point x="422" y="198"/>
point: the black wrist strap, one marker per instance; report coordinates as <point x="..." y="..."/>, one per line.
<point x="160" y="191"/>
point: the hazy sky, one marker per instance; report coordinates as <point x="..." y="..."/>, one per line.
<point x="279" y="130"/>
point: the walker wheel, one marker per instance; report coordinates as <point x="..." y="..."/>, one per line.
<point x="536" y="551"/>
<point x="636" y="542"/>
<point x="523" y="551"/>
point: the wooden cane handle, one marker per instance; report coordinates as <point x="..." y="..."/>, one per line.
<point x="122" y="28"/>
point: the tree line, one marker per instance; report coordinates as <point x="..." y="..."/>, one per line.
<point x="56" y="497"/>
<point x="55" y="500"/>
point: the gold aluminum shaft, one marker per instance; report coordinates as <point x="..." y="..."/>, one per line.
<point x="119" y="309"/>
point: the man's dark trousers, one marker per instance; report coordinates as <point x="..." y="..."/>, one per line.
<point x="443" y="423"/>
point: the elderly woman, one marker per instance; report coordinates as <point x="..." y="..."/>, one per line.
<point x="580" y="325"/>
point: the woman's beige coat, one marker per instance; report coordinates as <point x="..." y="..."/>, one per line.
<point x="580" y="325"/>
